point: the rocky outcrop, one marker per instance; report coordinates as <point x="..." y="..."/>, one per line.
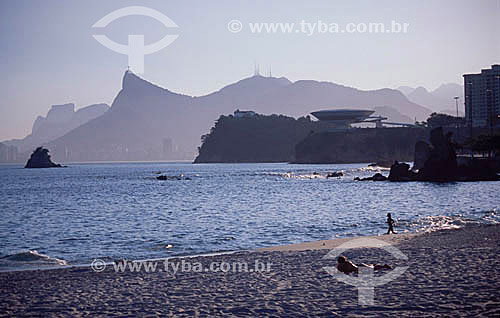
<point x="440" y="163"/>
<point x="262" y="138"/>
<point x="258" y="138"/>
<point x="422" y="154"/>
<point x="177" y="178"/>
<point x="60" y="120"/>
<point x="359" y="145"/>
<point x="375" y="177"/>
<point x="336" y="174"/>
<point x="379" y="177"/>
<point x="401" y="172"/>
<point x="41" y="159"/>
<point x="435" y="162"/>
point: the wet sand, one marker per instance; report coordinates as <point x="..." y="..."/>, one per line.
<point x="450" y="273"/>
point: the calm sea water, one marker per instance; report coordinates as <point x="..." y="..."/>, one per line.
<point x="119" y="210"/>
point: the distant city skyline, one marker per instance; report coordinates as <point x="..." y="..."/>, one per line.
<point x="49" y="56"/>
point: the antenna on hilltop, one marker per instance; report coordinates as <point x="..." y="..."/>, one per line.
<point x="256" y="71"/>
<point x="270" y="74"/>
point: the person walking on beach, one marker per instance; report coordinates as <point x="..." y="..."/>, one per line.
<point x="390" y="222"/>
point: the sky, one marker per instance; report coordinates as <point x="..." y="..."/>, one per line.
<point x="49" y="55"/>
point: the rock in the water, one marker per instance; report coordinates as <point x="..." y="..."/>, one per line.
<point x="401" y="172"/>
<point x="179" y="177"/>
<point x="40" y="158"/>
<point x="379" y="177"/>
<point x="336" y="174"/>
<point x="375" y="177"/>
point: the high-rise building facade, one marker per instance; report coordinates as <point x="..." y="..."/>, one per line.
<point x="482" y="98"/>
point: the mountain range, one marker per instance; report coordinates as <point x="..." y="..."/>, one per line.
<point x="148" y="122"/>
<point x="60" y="120"/>
<point x="440" y="100"/>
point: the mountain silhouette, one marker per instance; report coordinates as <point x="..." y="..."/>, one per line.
<point x="392" y="114"/>
<point x="148" y="122"/>
<point x="449" y="90"/>
<point x="60" y="120"/>
<point x="405" y="89"/>
<point x="304" y="96"/>
<point x="439" y="100"/>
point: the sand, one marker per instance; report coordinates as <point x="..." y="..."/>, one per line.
<point x="450" y="273"/>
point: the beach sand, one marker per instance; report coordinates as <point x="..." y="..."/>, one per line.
<point x="450" y="273"/>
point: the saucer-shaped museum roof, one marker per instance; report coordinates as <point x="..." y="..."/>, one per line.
<point x="347" y="116"/>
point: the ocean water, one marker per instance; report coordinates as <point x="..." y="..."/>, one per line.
<point x="52" y="217"/>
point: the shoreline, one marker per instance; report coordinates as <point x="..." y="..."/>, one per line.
<point x="301" y="246"/>
<point x="445" y="276"/>
<point x="334" y="243"/>
<point x="392" y="239"/>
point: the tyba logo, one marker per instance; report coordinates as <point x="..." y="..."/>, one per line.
<point x="135" y="50"/>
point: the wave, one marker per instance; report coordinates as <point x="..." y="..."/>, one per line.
<point x="443" y="222"/>
<point x="30" y="258"/>
<point x="370" y="169"/>
<point x="304" y="175"/>
<point x="320" y="172"/>
<point x="324" y="173"/>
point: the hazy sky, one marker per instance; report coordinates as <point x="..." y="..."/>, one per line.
<point x="48" y="54"/>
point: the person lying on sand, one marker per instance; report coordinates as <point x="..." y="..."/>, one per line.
<point x="347" y="267"/>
